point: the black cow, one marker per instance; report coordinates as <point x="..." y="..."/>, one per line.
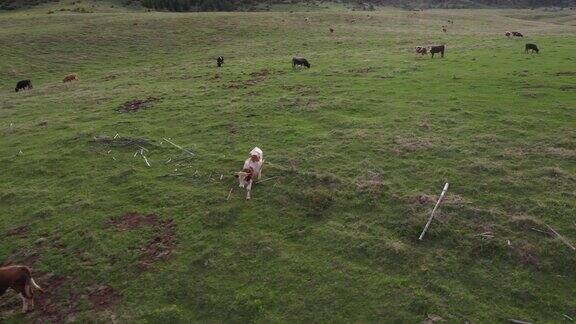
<point x="300" y="61"/>
<point x="219" y="61"/>
<point x="23" y="85"/>
<point x="437" y="49"/>
<point x="531" y="47"/>
<point x="517" y="34"/>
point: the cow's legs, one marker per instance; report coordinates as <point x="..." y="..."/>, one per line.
<point x="248" y="190"/>
<point x="24" y="303"/>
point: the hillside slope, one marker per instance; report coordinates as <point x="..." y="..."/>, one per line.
<point x="358" y="147"/>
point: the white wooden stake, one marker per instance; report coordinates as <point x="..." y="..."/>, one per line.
<point x="433" y="211"/>
<point x="565" y="241"/>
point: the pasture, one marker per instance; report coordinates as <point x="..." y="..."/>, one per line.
<point x="357" y="147"/>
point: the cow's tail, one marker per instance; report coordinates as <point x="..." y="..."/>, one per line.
<point x="30" y="283"/>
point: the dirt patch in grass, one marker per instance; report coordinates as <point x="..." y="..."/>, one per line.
<point x="567" y="73"/>
<point x="52" y="307"/>
<point x="526" y="255"/>
<point x="410" y="144"/>
<point x="130" y="221"/>
<point x="160" y="246"/>
<point x="137" y="104"/>
<point x="103" y="298"/>
<point x="20" y="231"/>
<point x="370" y="183"/>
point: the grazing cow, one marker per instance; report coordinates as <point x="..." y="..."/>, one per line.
<point x="300" y="61"/>
<point x="20" y="279"/>
<point x="437" y="49"/>
<point x="252" y="169"/>
<point x="531" y="47"/>
<point x="23" y="85"/>
<point x="422" y="50"/>
<point x="331" y="30"/>
<point x="517" y="34"/>
<point x="219" y="61"/>
<point x="70" y="78"/>
<point x="444" y="29"/>
<point x="508" y="34"/>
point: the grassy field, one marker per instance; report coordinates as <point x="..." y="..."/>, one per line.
<point x="358" y="148"/>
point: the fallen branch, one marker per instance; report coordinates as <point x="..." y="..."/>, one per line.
<point x="561" y="238"/>
<point x="229" y="193"/>
<point x="260" y="181"/>
<point x="178" y="146"/>
<point x="116" y="136"/>
<point x="433" y="211"/>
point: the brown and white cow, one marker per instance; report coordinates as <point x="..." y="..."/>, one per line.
<point x="252" y="170"/>
<point x="422" y="50"/>
<point x="70" y="78"/>
<point x="20" y="279"/>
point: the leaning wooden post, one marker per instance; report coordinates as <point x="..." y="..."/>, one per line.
<point x="433" y="211"/>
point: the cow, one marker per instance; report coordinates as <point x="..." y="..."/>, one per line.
<point x="219" y="61"/>
<point x="422" y="50"/>
<point x="252" y="170"/>
<point x="331" y="30"/>
<point x="444" y="29"/>
<point x="300" y="61"/>
<point x="70" y="78"/>
<point x="531" y="47"/>
<point x="24" y="85"/>
<point x="517" y="34"/>
<point x="508" y="34"/>
<point x="19" y="278"/>
<point x="437" y="49"/>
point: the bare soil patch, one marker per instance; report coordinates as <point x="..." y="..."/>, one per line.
<point x="103" y="297"/>
<point x="137" y="104"/>
<point x="20" y="231"/>
<point x="52" y="307"/>
<point x="160" y="246"/>
<point x="130" y="221"/>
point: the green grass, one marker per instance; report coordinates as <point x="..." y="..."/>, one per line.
<point x="352" y="143"/>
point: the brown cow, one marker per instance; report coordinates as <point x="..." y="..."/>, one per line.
<point x="20" y="279"/>
<point x="70" y="78"/>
